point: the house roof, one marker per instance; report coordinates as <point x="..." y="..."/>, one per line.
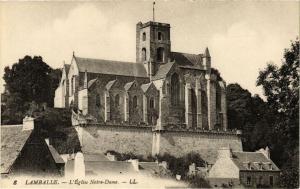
<point x="111" y="67"/>
<point x="109" y="167"/>
<point x="241" y="159"/>
<point x="12" y="141"/>
<point x="150" y="167"/>
<point x="55" y="155"/>
<point x="95" y="157"/>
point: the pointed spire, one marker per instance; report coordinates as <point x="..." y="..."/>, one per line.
<point x="73" y="53"/>
<point x="207" y="52"/>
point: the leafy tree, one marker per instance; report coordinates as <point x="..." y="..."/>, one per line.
<point x="29" y="80"/>
<point x="281" y="87"/>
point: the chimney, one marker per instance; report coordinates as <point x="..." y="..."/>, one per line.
<point x="111" y="157"/>
<point x="265" y="152"/>
<point x="135" y="164"/>
<point x="79" y="168"/>
<point x="225" y="152"/>
<point x="28" y="123"/>
<point x="164" y="164"/>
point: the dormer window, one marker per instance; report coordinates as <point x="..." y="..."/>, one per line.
<point x="260" y="166"/>
<point x="144" y="36"/>
<point x="270" y="166"/>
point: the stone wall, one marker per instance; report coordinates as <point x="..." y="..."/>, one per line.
<point x="123" y="139"/>
<point x="255" y="178"/>
<point x="179" y="143"/>
<point x="143" y="141"/>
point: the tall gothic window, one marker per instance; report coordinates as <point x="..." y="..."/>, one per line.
<point x="134" y="102"/>
<point x="175" y="89"/>
<point x="117" y="100"/>
<point x="144" y="54"/>
<point x="98" y="100"/>
<point x="151" y="103"/>
<point x="144" y="36"/>
<point x="194" y="107"/>
<point x="160" y="54"/>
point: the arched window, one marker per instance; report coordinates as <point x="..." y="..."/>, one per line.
<point x="151" y="103"/>
<point x="134" y="102"/>
<point x="160" y="54"/>
<point x="144" y="36"/>
<point x="144" y="54"/>
<point x="160" y="36"/>
<point x="175" y="89"/>
<point x="117" y="100"/>
<point x="98" y="102"/>
<point x="194" y="107"/>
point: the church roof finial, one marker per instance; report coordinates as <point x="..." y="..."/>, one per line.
<point x="207" y="52"/>
<point x="153" y="11"/>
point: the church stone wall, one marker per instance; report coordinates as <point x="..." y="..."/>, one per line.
<point x="180" y="143"/>
<point x="144" y="141"/>
<point x="123" y="139"/>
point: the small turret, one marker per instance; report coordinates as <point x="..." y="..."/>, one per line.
<point x="207" y="60"/>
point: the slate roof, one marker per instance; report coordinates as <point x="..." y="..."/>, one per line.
<point x="163" y="71"/>
<point x="12" y="141"/>
<point x="186" y="59"/>
<point x="128" y="85"/>
<point x="95" y="157"/>
<point x="55" y="155"/>
<point x="109" y="167"/>
<point x="242" y="158"/>
<point x="145" y="87"/>
<point x="67" y="67"/>
<point x="110" y="67"/>
<point x="110" y="84"/>
<point x="91" y="82"/>
<point x="149" y="167"/>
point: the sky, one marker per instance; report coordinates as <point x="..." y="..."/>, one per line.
<point x="242" y="36"/>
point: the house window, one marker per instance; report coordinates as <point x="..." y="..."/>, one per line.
<point x="117" y="100"/>
<point x="144" y="54"/>
<point x="144" y="36"/>
<point x="248" y="181"/>
<point x="134" y="102"/>
<point x="175" y="89"/>
<point x="160" y="36"/>
<point x="151" y="102"/>
<point x="160" y="54"/>
<point x="271" y="181"/>
<point x="98" y="102"/>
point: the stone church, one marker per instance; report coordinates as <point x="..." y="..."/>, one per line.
<point x="162" y="89"/>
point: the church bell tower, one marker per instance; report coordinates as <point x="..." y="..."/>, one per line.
<point x="153" y="45"/>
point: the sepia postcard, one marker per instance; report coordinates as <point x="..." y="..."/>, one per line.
<point x="149" y="94"/>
